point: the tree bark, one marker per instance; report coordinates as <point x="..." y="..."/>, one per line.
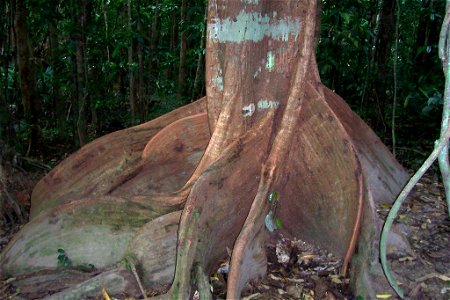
<point x="383" y="49"/>
<point x="174" y="28"/>
<point x="58" y="101"/>
<point x="30" y="101"/>
<point x="427" y="35"/>
<point x="131" y="73"/>
<point x="105" y="19"/>
<point x="140" y="44"/>
<point x="154" y="35"/>
<point x="81" y="73"/>
<point x="4" y="53"/>
<point x="197" y="87"/>
<point x="208" y="171"/>
<point x="183" y="49"/>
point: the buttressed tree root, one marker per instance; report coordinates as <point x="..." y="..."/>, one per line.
<point x="174" y="193"/>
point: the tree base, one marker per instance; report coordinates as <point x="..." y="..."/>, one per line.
<point x="220" y="184"/>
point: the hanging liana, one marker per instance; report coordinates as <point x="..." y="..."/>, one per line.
<point x="441" y="150"/>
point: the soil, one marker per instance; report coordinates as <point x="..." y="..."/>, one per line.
<point x="296" y="270"/>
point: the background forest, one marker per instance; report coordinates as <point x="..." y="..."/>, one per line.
<point x="71" y="71"/>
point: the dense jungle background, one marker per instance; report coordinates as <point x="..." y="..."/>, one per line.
<point x="71" y="71"/>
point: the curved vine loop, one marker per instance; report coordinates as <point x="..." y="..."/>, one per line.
<point x="441" y="152"/>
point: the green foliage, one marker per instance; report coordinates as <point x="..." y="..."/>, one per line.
<point x="348" y="62"/>
<point x="272" y="221"/>
<point x="274" y="197"/>
<point x="347" y="55"/>
<point x="278" y="223"/>
<point x="63" y="260"/>
<point x="106" y="56"/>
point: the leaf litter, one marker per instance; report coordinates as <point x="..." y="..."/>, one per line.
<point x="298" y="270"/>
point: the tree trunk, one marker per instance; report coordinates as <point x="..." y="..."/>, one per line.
<point x="4" y="63"/>
<point x="105" y="19"/>
<point x="81" y="74"/>
<point x="140" y="44"/>
<point x="197" y="87"/>
<point x="173" y="42"/>
<point x="383" y="49"/>
<point x="131" y="75"/>
<point x="154" y="34"/>
<point x="58" y="101"/>
<point x="30" y="101"/>
<point x="171" y="195"/>
<point x="183" y="49"/>
<point x="427" y="36"/>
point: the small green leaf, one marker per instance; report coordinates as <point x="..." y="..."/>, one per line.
<point x="86" y="267"/>
<point x="278" y="223"/>
<point x="60" y="250"/>
<point x="196" y="214"/>
<point x="274" y="196"/>
<point x="64" y="261"/>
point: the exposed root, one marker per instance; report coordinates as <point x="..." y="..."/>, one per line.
<point x="357" y="227"/>
<point x="249" y="258"/>
<point x="202" y="283"/>
<point x="136" y="276"/>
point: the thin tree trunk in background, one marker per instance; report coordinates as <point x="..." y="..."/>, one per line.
<point x="4" y="111"/>
<point x="427" y="36"/>
<point x="87" y="13"/>
<point x="382" y="60"/>
<point x="394" y="103"/>
<point x="94" y="117"/>
<point x="58" y="101"/>
<point x="140" y="45"/>
<point x="154" y="34"/>
<point x="132" y="85"/>
<point x="173" y="42"/>
<point x="105" y="74"/>
<point x="183" y="49"/>
<point x="30" y="101"/>
<point x="105" y="18"/>
<point x="198" y="73"/>
<point x="374" y="26"/>
<point x="81" y="75"/>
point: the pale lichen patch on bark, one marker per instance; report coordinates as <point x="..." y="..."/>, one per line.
<point x="253" y="27"/>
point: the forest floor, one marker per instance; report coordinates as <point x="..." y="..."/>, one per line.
<point x="298" y="270"/>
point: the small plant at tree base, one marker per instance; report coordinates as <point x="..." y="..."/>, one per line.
<point x="63" y="260"/>
<point x="271" y="221"/>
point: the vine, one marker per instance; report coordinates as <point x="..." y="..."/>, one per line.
<point x="441" y="152"/>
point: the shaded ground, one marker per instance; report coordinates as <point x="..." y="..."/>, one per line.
<point x="425" y="270"/>
<point x="296" y="270"/>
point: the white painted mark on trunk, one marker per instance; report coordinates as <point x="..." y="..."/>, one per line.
<point x="270" y="65"/>
<point x="248" y="110"/>
<point x="268" y="104"/>
<point x="217" y="79"/>
<point x="252" y="26"/>
<point x="250" y="1"/>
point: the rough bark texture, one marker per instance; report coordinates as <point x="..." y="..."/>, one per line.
<point x="183" y="50"/>
<point x="134" y="107"/>
<point x="30" y="101"/>
<point x="81" y="72"/>
<point x="173" y="194"/>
